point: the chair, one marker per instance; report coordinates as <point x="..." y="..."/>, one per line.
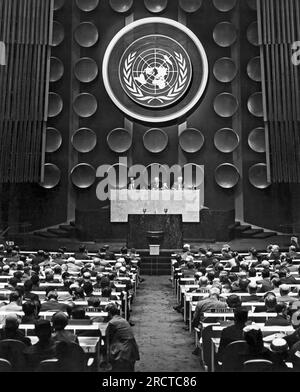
<point x="12" y="351"/>
<point x="233" y="356"/>
<point x="71" y="357"/>
<point x="258" y="365"/>
<point x="207" y="334"/>
<point x="5" y="366"/>
<point x="48" y="365"/>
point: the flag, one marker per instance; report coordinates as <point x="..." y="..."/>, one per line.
<point x="2" y="53"/>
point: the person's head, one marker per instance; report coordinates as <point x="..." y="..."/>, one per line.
<point x="112" y="309"/>
<point x="88" y="289"/>
<point x="59" y="321"/>
<point x="35" y="279"/>
<point x="252" y="272"/>
<point x="226" y="288"/>
<point x="276" y="282"/>
<point x="13" y="282"/>
<point x="18" y="275"/>
<point x="78" y="313"/>
<point x="106" y="292"/>
<point x="82" y="249"/>
<point x="12" y="322"/>
<point x="28" y="285"/>
<point x="57" y="270"/>
<point x="20" y="265"/>
<point x="252" y="288"/>
<point x="16" y="297"/>
<point x="203" y="281"/>
<point x="186" y="248"/>
<point x="240" y="315"/>
<point x="265" y="273"/>
<point x="284" y="290"/>
<point x="214" y="292"/>
<point x="281" y="308"/>
<point x="43" y="330"/>
<point x="104" y="282"/>
<point x="280" y="349"/>
<point x="78" y="293"/>
<point x="234" y="301"/>
<point x="51" y="294"/>
<point x="254" y="338"/>
<point x="233" y="277"/>
<point x="243" y="284"/>
<point x="28" y="308"/>
<point x="86" y="275"/>
<point x="36" y="268"/>
<point x="211" y="276"/>
<point x="270" y="301"/>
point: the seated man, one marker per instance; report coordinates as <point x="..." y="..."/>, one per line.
<point x="284" y="291"/>
<point x="43" y="349"/>
<point x="11" y="330"/>
<point x="295" y="336"/>
<point x="270" y="304"/>
<point x="212" y="302"/>
<point x="59" y="322"/>
<point x="15" y="304"/>
<point x="234" y="332"/>
<point x="252" y="290"/>
<point x="281" y="318"/>
<point x="30" y="313"/>
<point x="52" y="303"/>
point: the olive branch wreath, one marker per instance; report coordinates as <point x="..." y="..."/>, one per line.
<point x="137" y="92"/>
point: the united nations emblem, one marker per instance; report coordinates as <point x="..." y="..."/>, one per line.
<point x="155" y="71"/>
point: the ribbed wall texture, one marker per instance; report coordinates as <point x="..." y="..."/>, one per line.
<point x="26" y="30"/>
<point x="279" y="28"/>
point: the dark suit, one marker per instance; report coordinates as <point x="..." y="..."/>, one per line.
<point x="54" y="306"/>
<point x="279" y="320"/>
<point x="15" y="335"/>
<point x="251" y="298"/>
<point x="293" y="338"/>
<point x="38" y="352"/>
<point x="266" y="285"/>
<point x="229" y="335"/>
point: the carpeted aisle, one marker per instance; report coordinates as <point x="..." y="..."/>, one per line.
<point x="164" y="345"/>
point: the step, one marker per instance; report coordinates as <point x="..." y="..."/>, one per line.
<point x="45" y="234"/>
<point x="234" y="226"/>
<point x="265" y="235"/>
<point x="58" y="232"/>
<point x="67" y="227"/>
<point x="241" y="228"/>
<point x="251" y="232"/>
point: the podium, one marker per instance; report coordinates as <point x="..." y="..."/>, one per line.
<point x="141" y="225"/>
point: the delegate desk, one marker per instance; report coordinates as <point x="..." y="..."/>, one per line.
<point x="275" y="332"/>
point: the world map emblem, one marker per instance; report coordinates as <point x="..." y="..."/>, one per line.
<point x="155" y="71"/>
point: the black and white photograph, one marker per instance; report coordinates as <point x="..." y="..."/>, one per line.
<point x="149" y="189"/>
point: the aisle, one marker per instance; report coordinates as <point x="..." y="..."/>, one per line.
<point x="164" y="345"/>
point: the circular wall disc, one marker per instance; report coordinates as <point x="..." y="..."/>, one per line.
<point x="86" y="70"/>
<point x="254" y="69"/>
<point x="119" y="140"/>
<point x="58" y="34"/>
<point x="191" y="140"/>
<point x="226" y="105"/>
<point x="227" y="176"/>
<point x="86" y="34"/>
<point x="225" y="34"/>
<point x="258" y="176"/>
<point x="255" y="104"/>
<point x="121" y="6"/>
<point x="155" y="140"/>
<point x="257" y="140"/>
<point x="156" y="6"/>
<point x="85" y="105"/>
<point x="56" y="69"/>
<point x="83" y="176"/>
<point x="226" y="140"/>
<point x="225" y="70"/>
<point x="87" y="5"/>
<point x="53" y="140"/>
<point x="84" y="140"/>
<point x="252" y="34"/>
<point x="52" y="176"/>
<point x="224" y="5"/>
<point x="55" y="105"/>
<point x="190" y="6"/>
